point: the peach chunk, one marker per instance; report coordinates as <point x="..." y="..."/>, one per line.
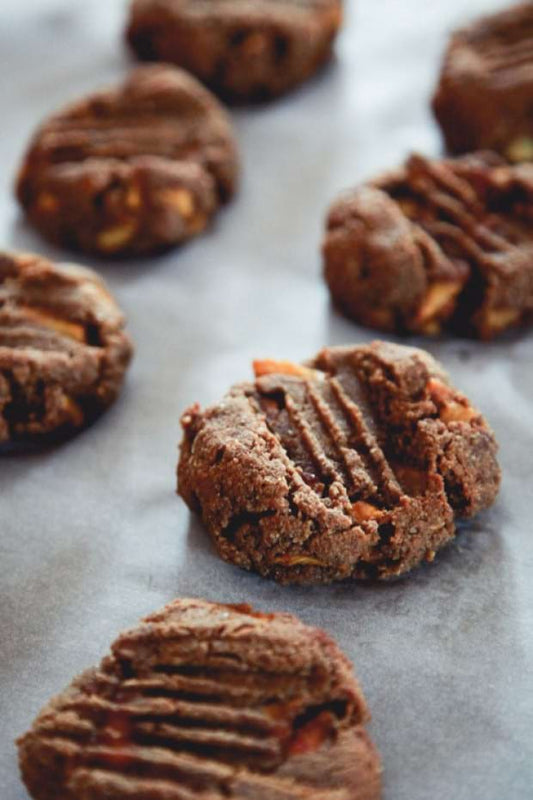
<point x="450" y="409"/>
<point x="312" y="735"/>
<point x="364" y="512"/>
<point x="268" y="366"/>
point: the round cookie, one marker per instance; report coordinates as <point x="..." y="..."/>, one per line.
<point x="211" y="702"/>
<point x="242" y="49"/>
<point x="485" y="92"/>
<point x="355" y="465"/>
<point x="133" y="169"/>
<point x="438" y="245"/>
<point x="63" y="349"/>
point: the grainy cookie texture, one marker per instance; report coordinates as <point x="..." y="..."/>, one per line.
<point x="485" y="94"/>
<point x="210" y="701"/>
<point x="63" y="349"/>
<point x="242" y="49"/>
<point x="132" y="169"/>
<point x="355" y="465"/>
<point x="436" y="245"/>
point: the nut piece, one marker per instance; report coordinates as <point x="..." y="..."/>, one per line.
<point x="295" y="561"/>
<point x="73" y="410"/>
<point x="498" y="319"/>
<point x="116" y="237"/>
<point x="43" y="318"/>
<point x="270" y="367"/>
<point x="364" y="512"/>
<point x="450" y="409"/>
<point x="520" y="149"/>
<point x="180" y="199"/>
<point x="133" y="199"/>
<point x="438" y="300"/>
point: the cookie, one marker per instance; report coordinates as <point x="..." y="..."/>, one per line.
<point x="210" y="702"/>
<point x="134" y="169"/>
<point x="242" y="49"/>
<point x="355" y="465"/>
<point x="63" y="349"/>
<point x="485" y="92"/>
<point x="438" y="245"/>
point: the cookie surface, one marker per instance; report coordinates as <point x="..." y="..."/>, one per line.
<point x="133" y="169"/>
<point x="438" y="245"/>
<point x="63" y="349"/>
<point x="242" y="49"/>
<point x="210" y="701"/>
<point x="485" y="92"/>
<point x="353" y="466"/>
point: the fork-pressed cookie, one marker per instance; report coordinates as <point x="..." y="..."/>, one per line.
<point x="132" y="169"/>
<point x="63" y="348"/>
<point x="242" y="49"/>
<point x="485" y="93"/>
<point x="437" y="245"/>
<point x="354" y="465"/>
<point x="211" y="702"/>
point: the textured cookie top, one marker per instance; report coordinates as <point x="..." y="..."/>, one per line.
<point x="133" y="167"/>
<point x="207" y="701"/>
<point x="499" y="44"/>
<point x="242" y="49"/>
<point x="54" y="301"/>
<point x="63" y="350"/>
<point x="354" y="465"/>
<point x="436" y="244"/>
<point x="486" y="86"/>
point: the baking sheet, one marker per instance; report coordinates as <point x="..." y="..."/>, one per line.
<point x="91" y="533"/>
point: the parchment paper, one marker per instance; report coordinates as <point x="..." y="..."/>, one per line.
<point x="92" y="534"/>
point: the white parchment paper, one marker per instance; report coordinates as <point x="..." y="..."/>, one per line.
<point x="92" y="535"/>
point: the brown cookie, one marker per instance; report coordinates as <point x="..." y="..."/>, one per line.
<point x="437" y="245"/>
<point x="242" y="49"/>
<point x="355" y="465"/>
<point x="485" y="94"/>
<point x="210" y="702"/>
<point x="133" y="169"/>
<point x="63" y="349"/>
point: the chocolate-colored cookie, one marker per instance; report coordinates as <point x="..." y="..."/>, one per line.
<point x="133" y="169"/>
<point x="485" y="93"/>
<point x="353" y="466"/>
<point x="210" y="702"/>
<point x="436" y="245"/>
<point x="63" y="349"/>
<point x="242" y="49"/>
